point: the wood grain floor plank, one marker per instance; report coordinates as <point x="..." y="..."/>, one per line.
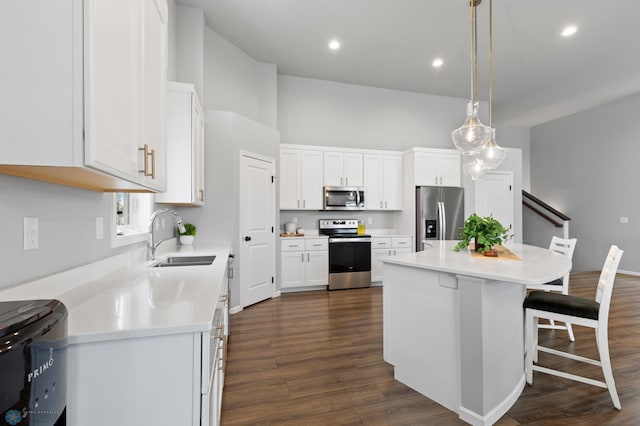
<point x="315" y="358"/>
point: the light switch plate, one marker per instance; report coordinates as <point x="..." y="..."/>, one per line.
<point x="31" y="231"/>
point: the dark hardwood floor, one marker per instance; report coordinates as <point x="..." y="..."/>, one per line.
<point x="315" y="358"/>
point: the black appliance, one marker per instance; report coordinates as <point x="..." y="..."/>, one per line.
<point x="33" y="363"/>
<point x="349" y="254"/>
<point x="343" y="198"/>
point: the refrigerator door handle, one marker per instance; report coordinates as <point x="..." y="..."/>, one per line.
<point x="442" y="221"/>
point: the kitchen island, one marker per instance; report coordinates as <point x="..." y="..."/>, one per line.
<point x="453" y="324"/>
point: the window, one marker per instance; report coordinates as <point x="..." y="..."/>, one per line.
<point x="130" y="218"/>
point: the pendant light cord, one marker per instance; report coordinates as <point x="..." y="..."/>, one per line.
<point x="490" y="62"/>
<point x="474" y="52"/>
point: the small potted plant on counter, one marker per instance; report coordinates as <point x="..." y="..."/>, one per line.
<point x="186" y="237"/>
<point x="485" y="232"/>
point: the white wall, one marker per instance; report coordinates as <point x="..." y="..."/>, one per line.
<point x="236" y="82"/>
<point x="318" y="112"/>
<point x="585" y="165"/>
<point x="67" y="228"/>
<point x="189" y="40"/>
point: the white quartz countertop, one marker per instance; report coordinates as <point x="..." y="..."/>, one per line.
<point x="125" y="296"/>
<point x="537" y="265"/>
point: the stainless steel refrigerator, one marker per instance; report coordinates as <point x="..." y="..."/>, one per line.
<point x="439" y="213"/>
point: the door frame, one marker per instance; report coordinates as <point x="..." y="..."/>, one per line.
<point x="242" y="265"/>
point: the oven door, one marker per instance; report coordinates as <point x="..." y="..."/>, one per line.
<point x="349" y="263"/>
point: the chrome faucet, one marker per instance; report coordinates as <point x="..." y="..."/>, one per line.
<point x="151" y="244"/>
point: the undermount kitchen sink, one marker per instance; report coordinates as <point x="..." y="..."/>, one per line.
<point x="186" y="261"/>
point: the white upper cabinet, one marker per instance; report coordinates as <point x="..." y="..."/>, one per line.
<point x="437" y="167"/>
<point x="383" y="181"/>
<point x="343" y="168"/>
<point x="88" y="96"/>
<point x="300" y="179"/>
<point x="185" y="147"/>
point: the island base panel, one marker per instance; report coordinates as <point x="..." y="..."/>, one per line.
<point x="491" y="348"/>
<point x="420" y="332"/>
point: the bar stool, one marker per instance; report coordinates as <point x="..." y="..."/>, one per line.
<point x="579" y="311"/>
<point x="565" y="247"/>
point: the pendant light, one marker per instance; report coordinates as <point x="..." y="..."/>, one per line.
<point x="493" y="154"/>
<point x="472" y="136"/>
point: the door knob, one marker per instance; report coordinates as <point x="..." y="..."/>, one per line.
<point x="247" y="238"/>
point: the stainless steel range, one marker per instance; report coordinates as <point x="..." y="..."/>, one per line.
<point x="349" y="254"/>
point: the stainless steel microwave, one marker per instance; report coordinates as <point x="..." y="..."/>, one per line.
<point x="343" y="198"/>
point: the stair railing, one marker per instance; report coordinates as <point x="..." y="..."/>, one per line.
<point x="544" y="210"/>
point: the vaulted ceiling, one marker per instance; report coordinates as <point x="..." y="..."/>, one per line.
<point x="538" y="74"/>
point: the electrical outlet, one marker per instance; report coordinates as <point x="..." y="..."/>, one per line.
<point x="449" y="281"/>
<point x="30" y="234"/>
<point x="99" y="228"/>
<point x="369" y="221"/>
<point x="624" y="219"/>
<point x="294" y="220"/>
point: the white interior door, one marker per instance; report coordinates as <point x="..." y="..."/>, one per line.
<point x="257" y="228"/>
<point x="494" y="196"/>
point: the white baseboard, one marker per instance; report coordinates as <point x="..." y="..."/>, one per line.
<point x="635" y="274"/>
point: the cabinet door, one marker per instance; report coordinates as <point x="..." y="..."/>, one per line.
<point x="112" y="87"/>
<point x="311" y="179"/>
<point x="292" y="269"/>
<point x="401" y="250"/>
<point x="450" y="170"/>
<point x="154" y="78"/>
<point x="392" y="182"/>
<point x="289" y="186"/>
<point x="426" y="169"/>
<point x="373" y="182"/>
<point x="317" y="267"/>
<point x="377" y="265"/>
<point x="333" y="167"/>
<point x="352" y="169"/>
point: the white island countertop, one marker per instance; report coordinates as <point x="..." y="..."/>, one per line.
<point x="537" y="265"/>
<point x="124" y="296"/>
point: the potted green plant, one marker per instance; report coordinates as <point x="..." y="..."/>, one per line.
<point x="188" y="235"/>
<point x="486" y="232"/>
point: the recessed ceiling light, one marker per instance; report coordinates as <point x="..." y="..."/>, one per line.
<point x="569" y="30"/>
<point x="334" y="45"/>
<point x="437" y="63"/>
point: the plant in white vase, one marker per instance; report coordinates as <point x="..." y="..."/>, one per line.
<point x="188" y="235"/>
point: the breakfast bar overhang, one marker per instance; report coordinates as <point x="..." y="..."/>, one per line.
<point x="453" y="324"/>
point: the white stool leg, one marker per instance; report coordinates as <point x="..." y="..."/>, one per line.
<point x="603" y="349"/>
<point x="570" y="331"/>
<point x="529" y="329"/>
<point x="535" y="321"/>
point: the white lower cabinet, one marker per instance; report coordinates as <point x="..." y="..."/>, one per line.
<point x="386" y="246"/>
<point x="214" y="362"/>
<point x="179" y="377"/>
<point x="304" y="262"/>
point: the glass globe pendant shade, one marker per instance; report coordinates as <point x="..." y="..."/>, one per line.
<point x="473" y="168"/>
<point x="472" y="136"/>
<point x="492" y="155"/>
